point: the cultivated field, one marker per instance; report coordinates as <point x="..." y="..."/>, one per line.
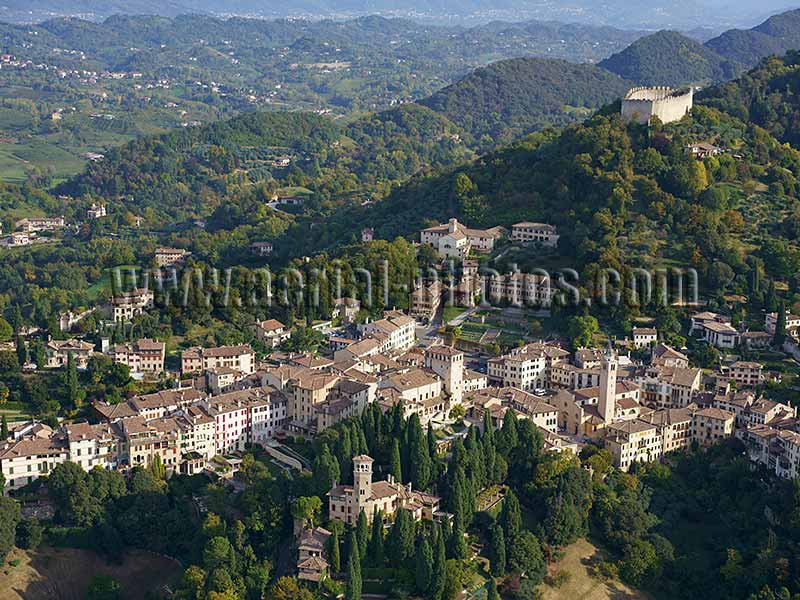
<point x="65" y="573"/>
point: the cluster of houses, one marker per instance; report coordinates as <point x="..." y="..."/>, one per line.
<point x="226" y="399"/>
<point x="639" y="412"/>
<point x="27" y="229"/>
<point x="454" y="240"/>
<point x="185" y="428"/>
<point x="717" y="330"/>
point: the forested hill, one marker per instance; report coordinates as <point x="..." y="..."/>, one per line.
<point x="768" y="96"/>
<point x="776" y="35"/>
<point x="669" y="58"/>
<point x="514" y="97"/>
<point x="188" y="173"/>
<point x="624" y="198"/>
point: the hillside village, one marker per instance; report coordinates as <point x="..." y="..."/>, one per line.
<point x="638" y="398"/>
<point x="531" y="337"/>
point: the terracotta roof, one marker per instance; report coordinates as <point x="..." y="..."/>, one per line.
<point x="594" y="392"/>
<point x="443" y="351"/>
<point x="631" y="426"/>
<point x="231" y="401"/>
<point x="270" y="325"/>
<point x="384" y="489"/>
<point x="313" y="563"/>
<point x="411" y="379"/>
<point x="715" y="413"/>
<point x="71" y="344"/>
<point x="719" y="327"/>
<point x="363" y="347"/>
<point x="31" y="446"/>
<point x="644" y="331"/>
<point x="530" y="224"/>
<point x="744" y="364"/>
<point x="315" y="380"/>
<point x="112" y="412"/>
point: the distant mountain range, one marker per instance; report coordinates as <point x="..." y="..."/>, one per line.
<point x="676" y="14"/>
<point x="670" y="58"/>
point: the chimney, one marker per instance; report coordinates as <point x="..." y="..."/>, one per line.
<point x="452" y="224"/>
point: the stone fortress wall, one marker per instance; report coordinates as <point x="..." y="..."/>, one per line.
<point x="640" y="104"/>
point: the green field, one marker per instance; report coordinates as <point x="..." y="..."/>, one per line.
<point x="17" y="160"/>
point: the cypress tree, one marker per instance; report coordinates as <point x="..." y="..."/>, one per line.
<point x="400" y="544"/>
<point x="489" y="460"/>
<point x="420" y="462"/>
<point x="433" y="454"/>
<point x="407" y="534"/>
<point x="397" y="468"/>
<point x="375" y="550"/>
<point x="22" y="351"/>
<point x="333" y="551"/>
<point x="771" y="301"/>
<point x="157" y="468"/>
<point x="508" y="434"/>
<point x="353" y="590"/>
<point x="432" y="448"/>
<point x="362" y="534"/>
<point x="326" y="470"/>
<point x="446" y="531"/>
<point x="780" y="325"/>
<point x="488" y="428"/>
<point x="424" y="567"/>
<point x="415" y="453"/>
<point x="3" y="428"/>
<point x="510" y="518"/>
<point x="491" y="590"/>
<point x="457" y="493"/>
<point x="362" y="441"/>
<point x="458" y="545"/>
<point x="71" y="382"/>
<point x="439" y="573"/>
<point x="498" y="551"/>
<point x="345" y="455"/>
<point x="478" y="465"/>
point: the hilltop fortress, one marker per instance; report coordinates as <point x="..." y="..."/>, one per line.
<point x="640" y="104"/>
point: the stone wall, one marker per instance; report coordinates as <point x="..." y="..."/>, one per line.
<point x="642" y="103"/>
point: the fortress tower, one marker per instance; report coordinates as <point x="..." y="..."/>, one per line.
<point x="641" y="104"/>
<point x="448" y="363"/>
<point x="607" y="401"/>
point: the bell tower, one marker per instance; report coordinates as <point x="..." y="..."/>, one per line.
<point x="362" y="478"/>
<point x="607" y="400"/>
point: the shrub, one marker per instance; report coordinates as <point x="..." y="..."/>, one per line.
<point x="558" y="579"/>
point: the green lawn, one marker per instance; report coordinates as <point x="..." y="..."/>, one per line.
<point x="451" y="312"/>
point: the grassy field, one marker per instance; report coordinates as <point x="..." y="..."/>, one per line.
<point x="65" y="573"/>
<point x="577" y="561"/>
<point x="16" y="159"/>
